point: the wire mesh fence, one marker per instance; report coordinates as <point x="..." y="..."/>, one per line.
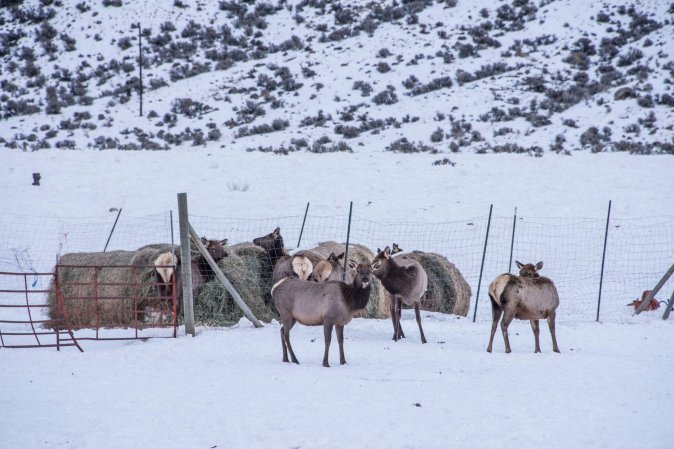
<point x="639" y="250"/>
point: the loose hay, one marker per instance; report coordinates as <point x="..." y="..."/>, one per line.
<point x="247" y="268"/>
<point x="107" y="289"/>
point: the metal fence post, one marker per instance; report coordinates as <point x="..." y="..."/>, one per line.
<point x="119" y="212"/>
<point x="185" y="264"/>
<point x="346" y="250"/>
<point x="512" y="242"/>
<point x="484" y="252"/>
<point x="306" y="211"/>
<point x="603" y="259"/>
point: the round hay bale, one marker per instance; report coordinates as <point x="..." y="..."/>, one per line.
<point x="247" y="268"/>
<point x="448" y="291"/>
<point x="105" y="282"/>
<point x="378" y="306"/>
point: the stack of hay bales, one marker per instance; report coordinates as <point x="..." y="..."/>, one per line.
<point x="247" y="268"/>
<point x="113" y="287"/>
<point x="448" y="291"/>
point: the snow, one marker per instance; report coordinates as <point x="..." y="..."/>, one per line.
<point x="227" y="388"/>
<point x="609" y="388"/>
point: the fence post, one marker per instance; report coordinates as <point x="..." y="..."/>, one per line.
<point x="306" y="211"/>
<point x="512" y="242"/>
<point x="484" y="252"/>
<point x="603" y="259"/>
<point x="346" y="250"/>
<point x="119" y="212"/>
<point x="186" y="266"/>
<point x="140" y="68"/>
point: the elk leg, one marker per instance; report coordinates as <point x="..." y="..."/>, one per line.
<point x="327" y="334"/>
<point x="536" y="329"/>
<point x="505" y="322"/>
<point x="399" y="312"/>
<point x="340" y="339"/>
<point x="286" y="337"/>
<point x="496" y="312"/>
<point x="283" y="343"/>
<point x="551" y="325"/>
<point x="417" y="312"/>
<point x="392" y="310"/>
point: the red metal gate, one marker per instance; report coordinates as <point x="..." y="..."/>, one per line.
<point x="79" y="302"/>
<point x="18" y="321"/>
<point x="116" y="302"/>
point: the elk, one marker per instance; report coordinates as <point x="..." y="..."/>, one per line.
<point x="528" y="296"/>
<point x="332" y="269"/>
<point x="406" y="282"/>
<point x="330" y="304"/>
<point x="201" y="270"/>
<point x="283" y="265"/>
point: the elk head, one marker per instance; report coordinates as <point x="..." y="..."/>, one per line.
<point x="216" y="248"/>
<point x="363" y="275"/>
<point x="529" y="270"/>
<point x="380" y="262"/>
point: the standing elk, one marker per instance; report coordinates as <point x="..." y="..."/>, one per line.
<point x="331" y="304"/>
<point x="528" y="296"/>
<point x="406" y="282"/>
<point x="332" y="269"/>
<point x="283" y="265"/>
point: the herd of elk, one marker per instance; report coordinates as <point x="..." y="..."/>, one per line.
<point x="528" y="296"/>
<point x="326" y="295"/>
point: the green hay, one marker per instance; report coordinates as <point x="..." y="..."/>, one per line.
<point x="247" y="268"/>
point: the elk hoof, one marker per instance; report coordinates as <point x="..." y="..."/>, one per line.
<point x="556" y="350"/>
<point x="423" y="341"/>
<point x="326" y="364"/>
<point x="489" y="350"/>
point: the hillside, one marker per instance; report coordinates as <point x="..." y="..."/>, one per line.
<point x="311" y="75"/>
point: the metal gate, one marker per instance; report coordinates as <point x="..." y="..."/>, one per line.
<point x="24" y="316"/>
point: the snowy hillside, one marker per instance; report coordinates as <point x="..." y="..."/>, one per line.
<point x="311" y="75"/>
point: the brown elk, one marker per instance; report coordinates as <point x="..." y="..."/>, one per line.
<point x="283" y="265"/>
<point x="201" y="270"/>
<point x="330" y="304"/>
<point x="332" y="269"/>
<point x="528" y="296"/>
<point x="406" y="282"/>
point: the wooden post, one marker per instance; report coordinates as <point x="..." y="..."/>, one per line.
<point x="655" y="291"/>
<point x="603" y="259"/>
<point x="223" y="279"/>
<point x="185" y="264"/>
<point x="484" y="252"/>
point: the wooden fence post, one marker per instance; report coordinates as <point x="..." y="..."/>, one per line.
<point x="185" y="265"/>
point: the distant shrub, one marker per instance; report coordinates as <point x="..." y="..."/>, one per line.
<point x="383" y="67"/>
<point x="403" y="145"/>
<point x="387" y="96"/>
<point x="115" y="3"/>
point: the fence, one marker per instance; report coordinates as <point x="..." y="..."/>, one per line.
<point x="638" y="252"/>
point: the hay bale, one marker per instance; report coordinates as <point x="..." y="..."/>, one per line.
<point x="247" y="268"/>
<point x="114" y="290"/>
<point x="448" y="291"/>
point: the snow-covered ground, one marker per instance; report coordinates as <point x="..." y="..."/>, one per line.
<point x="227" y="388"/>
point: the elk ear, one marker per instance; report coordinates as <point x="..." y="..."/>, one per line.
<point x="378" y="250"/>
<point x="376" y="265"/>
<point x="519" y="264"/>
<point x="387" y="252"/>
<point x="539" y="265"/>
<point x="276" y="232"/>
<point x="204" y="240"/>
<point x="340" y="256"/>
<point x="332" y="257"/>
<point x="353" y="264"/>
<point x="223" y="242"/>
